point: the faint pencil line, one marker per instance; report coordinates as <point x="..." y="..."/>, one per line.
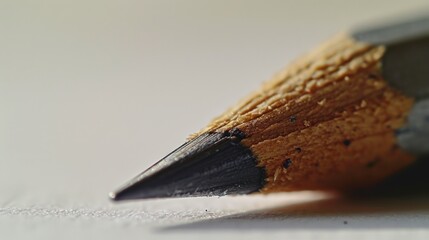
<point x="109" y="214"/>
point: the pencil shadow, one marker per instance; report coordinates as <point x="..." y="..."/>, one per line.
<point x="400" y="202"/>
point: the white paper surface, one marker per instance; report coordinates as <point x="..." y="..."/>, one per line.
<point x="93" y="92"/>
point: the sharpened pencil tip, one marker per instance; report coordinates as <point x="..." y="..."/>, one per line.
<point x="203" y="166"/>
<point x="130" y="192"/>
<point x="112" y="196"/>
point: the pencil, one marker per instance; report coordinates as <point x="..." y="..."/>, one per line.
<point x="343" y="117"/>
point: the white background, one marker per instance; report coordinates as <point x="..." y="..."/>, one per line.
<point x="93" y="92"/>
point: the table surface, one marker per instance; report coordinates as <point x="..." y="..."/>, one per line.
<point x="93" y="92"/>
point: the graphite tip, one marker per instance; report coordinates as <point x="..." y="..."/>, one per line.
<point x="212" y="164"/>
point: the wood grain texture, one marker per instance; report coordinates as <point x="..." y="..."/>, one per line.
<point x="326" y="122"/>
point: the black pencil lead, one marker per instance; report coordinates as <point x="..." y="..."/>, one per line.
<point x="213" y="164"/>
